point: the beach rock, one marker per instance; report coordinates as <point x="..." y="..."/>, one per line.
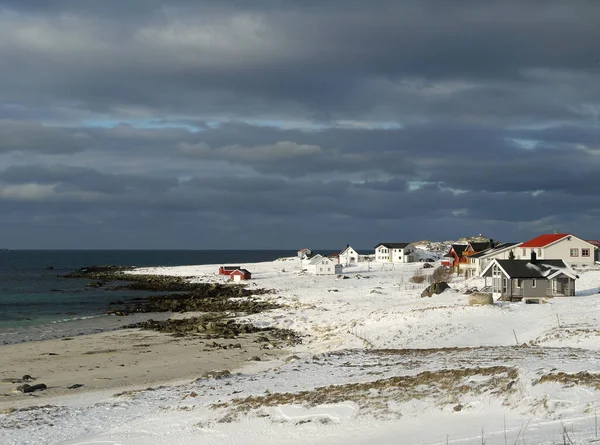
<point x="27" y="378"/>
<point x="480" y="298"/>
<point x="31" y="388"/>
<point x="95" y="284"/>
<point x="261" y="339"/>
<point x="254" y="358"/>
<point x="75" y="386"/>
<point x="435" y="288"/>
<point x="218" y="375"/>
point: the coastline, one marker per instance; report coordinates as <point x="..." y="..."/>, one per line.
<point x="377" y="362"/>
<point x="120" y="360"/>
<point x="197" y="329"/>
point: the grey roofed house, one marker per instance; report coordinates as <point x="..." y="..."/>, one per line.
<point x="538" y="269"/>
<point x="529" y="279"/>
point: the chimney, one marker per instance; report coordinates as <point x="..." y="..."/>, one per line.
<point x="533" y="257"/>
<point x="347" y="245"/>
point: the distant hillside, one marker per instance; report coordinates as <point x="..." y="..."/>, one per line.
<point x="438" y="248"/>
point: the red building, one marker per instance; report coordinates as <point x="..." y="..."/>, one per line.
<point x="227" y="270"/>
<point x="455" y="256"/>
<point x="240" y="275"/>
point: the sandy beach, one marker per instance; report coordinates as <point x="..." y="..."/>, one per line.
<point x="117" y="361"/>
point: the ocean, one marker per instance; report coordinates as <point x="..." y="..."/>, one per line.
<point x="36" y="303"/>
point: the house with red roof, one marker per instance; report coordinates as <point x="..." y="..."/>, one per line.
<point x="304" y="253"/>
<point x="558" y="246"/>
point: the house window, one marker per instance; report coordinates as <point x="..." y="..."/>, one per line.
<point x="585" y="252"/>
<point x="524" y="253"/>
<point x="574" y="252"/>
<point x="533" y="282"/>
<point x="519" y="281"/>
<point x="539" y="253"/>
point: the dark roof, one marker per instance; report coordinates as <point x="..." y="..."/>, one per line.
<point x="244" y="271"/>
<point x="478" y="247"/>
<point x="481" y="253"/>
<point x="230" y="267"/>
<point x="393" y="245"/>
<point x="495" y="249"/>
<point x="504" y="245"/>
<point x="459" y="249"/>
<point x="526" y="269"/>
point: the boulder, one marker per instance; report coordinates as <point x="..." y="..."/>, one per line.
<point x="480" y="298"/>
<point x="427" y="266"/>
<point x="31" y="388"/>
<point x="435" y="288"/>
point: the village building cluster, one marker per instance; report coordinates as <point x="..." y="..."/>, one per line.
<point x="531" y="270"/>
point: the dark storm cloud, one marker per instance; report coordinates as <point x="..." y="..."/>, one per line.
<point x="341" y="60"/>
<point x="247" y="124"/>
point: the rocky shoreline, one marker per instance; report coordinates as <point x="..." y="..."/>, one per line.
<point x="220" y="304"/>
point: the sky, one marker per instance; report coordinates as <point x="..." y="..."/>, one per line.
<point x="240" y="124"/>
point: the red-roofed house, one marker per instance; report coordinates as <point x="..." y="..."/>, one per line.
<point x="304" y="253"/>
<point x="558" y="246"/>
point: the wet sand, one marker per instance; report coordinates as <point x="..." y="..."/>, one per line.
<point x="118" y="360"/>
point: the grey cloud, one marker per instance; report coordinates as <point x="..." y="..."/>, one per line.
<point x="241" y="124"/>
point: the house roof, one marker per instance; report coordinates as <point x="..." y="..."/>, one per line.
<point x="318" y="259"/>
<point x="498" y="248"/>
<point x="347" y="248"/>
<point x="481" y="253"/>
<point x="304" y="249"/>
<point x="244" y="271"/>
<point x="478" y="247"/>
<point x="595" y="242"/>
<point x="230" y="267"/>
<point x="544" y="240"/>
<point x="526" y="269"/>
<point x="459" y="249"/>
<point x="393" y="245"/>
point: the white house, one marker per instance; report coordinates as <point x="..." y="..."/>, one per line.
<point x="320" y="265"/>
<point x="395" y="253"/>
<point x="348" y="256"/>
<point x="561" y="246"/>
<point x="304" y="253"/>
<point x="480" y="260"/>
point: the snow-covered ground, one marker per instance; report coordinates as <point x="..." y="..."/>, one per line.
<point x="377" y="363"/>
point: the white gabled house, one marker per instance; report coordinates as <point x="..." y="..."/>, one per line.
<point x="395" y="253"/>
<point x="564" y="246"/>
<point x="348" y="256"/>
<point x="320" y="265"/>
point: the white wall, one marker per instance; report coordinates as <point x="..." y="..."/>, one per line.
<point x="561" y="250"/>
